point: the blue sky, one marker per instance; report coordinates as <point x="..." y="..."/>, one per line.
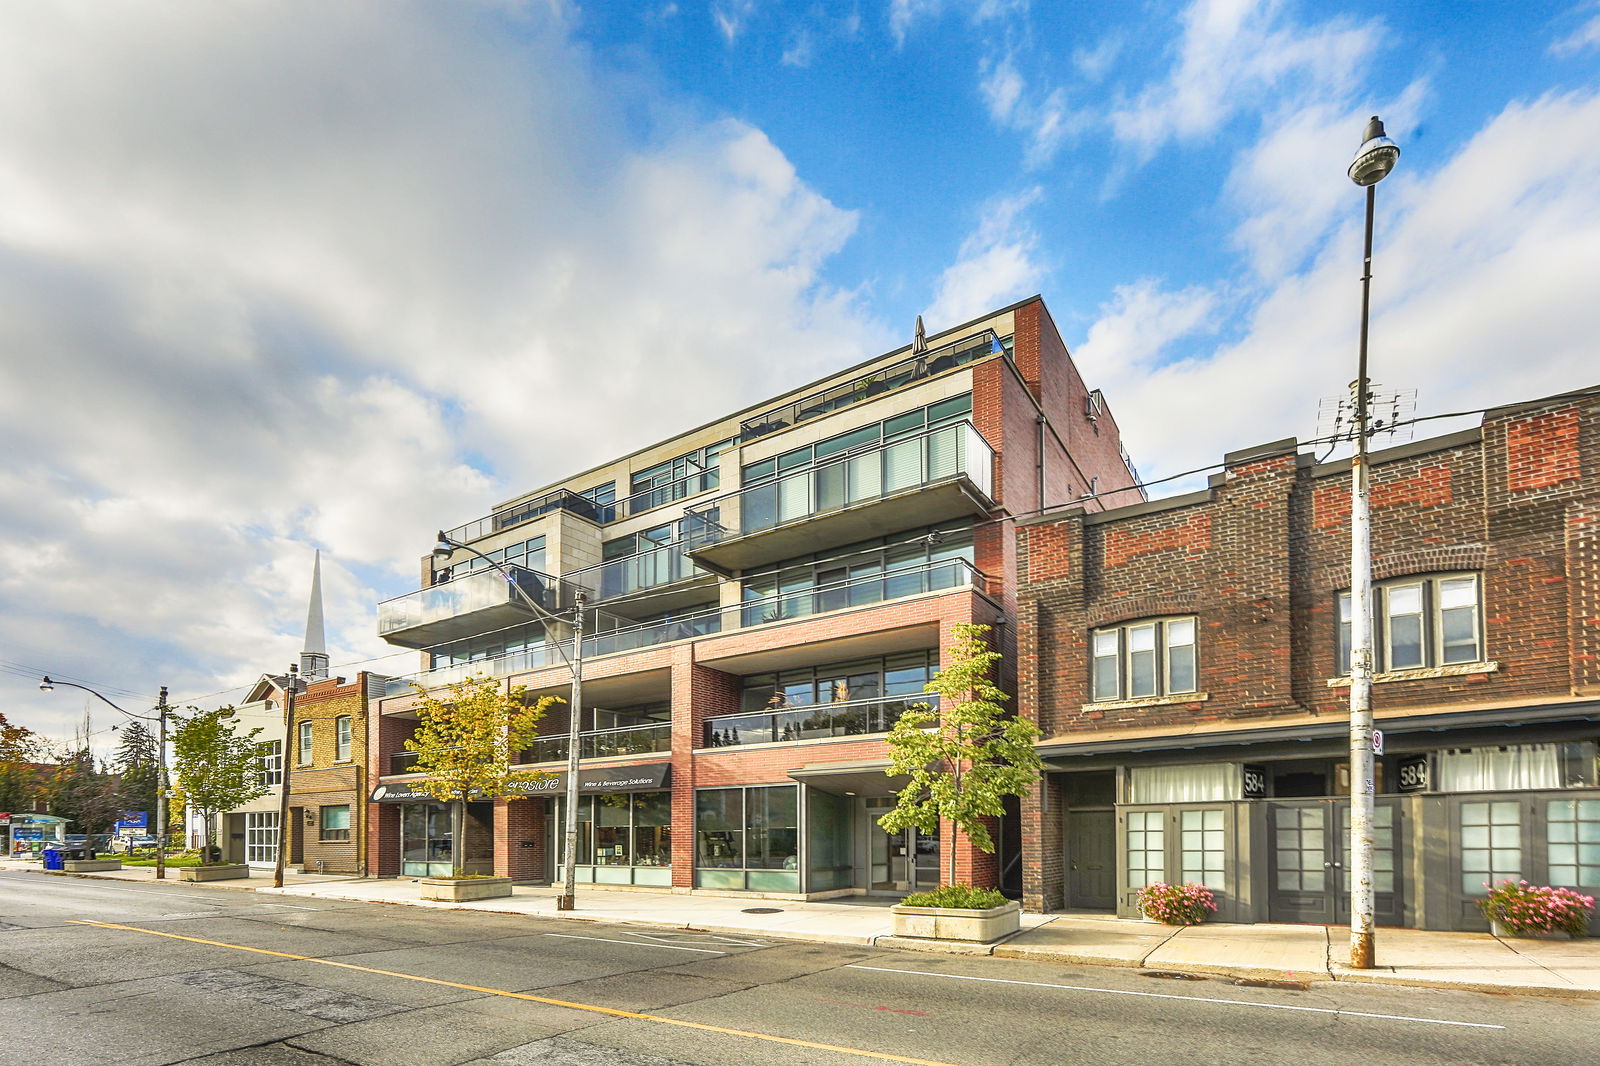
<point x="288" y="276"/>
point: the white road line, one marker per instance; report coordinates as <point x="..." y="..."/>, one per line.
<point x="1189" y="999"/>
<point x="637" y="943"/>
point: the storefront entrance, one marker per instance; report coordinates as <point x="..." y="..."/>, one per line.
<point x="907" y="861"/>
<point x="1309" y="872"/>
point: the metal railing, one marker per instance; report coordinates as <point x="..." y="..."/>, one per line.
<point x="898" y="375"/>
<point x="661" y="495"/>
<point x="859" y="591"/>
<point x="664" y="564"/>
<point x="901" y="465"/>
<point x="480" y="590"/>
<point x="819" y="721"/>
<point x="528" y="510"/>
<point x="599" y="743"/>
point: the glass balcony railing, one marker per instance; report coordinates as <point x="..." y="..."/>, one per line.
<point x="612" y="636"/>
<point x="663" y="565"/>
<point x="599" y="743"/>
<point x="870" y="385"/>
<point x="528" y="510"/>
<point x="443" y="611"/>
<point x="819" y="721"/>
<point x="900" y="466"/>
<point x="661" y="495"/>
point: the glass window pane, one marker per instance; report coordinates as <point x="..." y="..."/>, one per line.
<point x="1142" y="673"/>
<point x="1180" y="631"/>
<point x="1181" y="669"/>
<point x="1458" y="592"/>
<point x="1405" y="642"/>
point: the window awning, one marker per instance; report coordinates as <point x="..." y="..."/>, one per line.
<point x="851" y="778"/>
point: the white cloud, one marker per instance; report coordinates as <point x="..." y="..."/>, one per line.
<point x="1232" y="55"/>
<point x="730" y="18"/>
<point x="276" y="276"/>
<point x="903" y="13"/>
<point x="1044" y="119"/>
<point x="1482" y="294"/>
<point x="1584" y="37"/>
<point x="799" y="51"/>
<point x="996" y="264"/>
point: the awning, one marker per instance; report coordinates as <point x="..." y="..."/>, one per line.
<point x="638" y="777"/>
<point x="1402" y="734"/>
<point x="851" y="778"/>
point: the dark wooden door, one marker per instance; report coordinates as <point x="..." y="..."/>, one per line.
<point x="1092" y="860"/>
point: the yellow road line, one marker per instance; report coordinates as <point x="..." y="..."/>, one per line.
<point x="590" y="1007"/>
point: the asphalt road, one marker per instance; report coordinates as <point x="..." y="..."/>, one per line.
<point x="184" y="973"/>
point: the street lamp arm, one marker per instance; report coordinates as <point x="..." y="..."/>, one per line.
<point x="47" y="683"/>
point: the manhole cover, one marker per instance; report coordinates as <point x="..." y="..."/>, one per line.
<point x="1172" y="975"/>
<point x="763" y="910"/>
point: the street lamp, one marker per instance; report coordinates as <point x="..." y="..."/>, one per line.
<point x="1374" y="160"/>
<point x="568" y="899"/>
<point x="47" y="685"/>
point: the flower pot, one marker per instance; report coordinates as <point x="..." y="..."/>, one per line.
<point x="957" y="923"/>
<point x="222" y="872"/>
<point x="1498" y="928"/>
<point x="450" y="890"/>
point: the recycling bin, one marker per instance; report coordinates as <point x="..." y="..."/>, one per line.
<point x="53" y="859"/>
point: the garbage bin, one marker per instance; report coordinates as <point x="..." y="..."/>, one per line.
<point x="76" y="853"/>
<point x="53" y="859"/>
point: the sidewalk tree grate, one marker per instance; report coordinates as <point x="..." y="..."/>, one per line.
<point x="762" y="910"/>
<point x="1173" y="975"/>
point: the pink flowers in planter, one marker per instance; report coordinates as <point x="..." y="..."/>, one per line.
<point x="1185" y="904"/>
<point x="1525" y="908"/>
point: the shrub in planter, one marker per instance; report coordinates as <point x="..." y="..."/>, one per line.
<point x="1185" y="904"/>
<point x="1526" y="909"/>
<point x="977" y="899"/>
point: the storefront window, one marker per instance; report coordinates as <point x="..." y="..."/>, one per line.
<point x="425" y="840"/>
<point x="613" y="843"/>
<point x="1491" y="844"/>
<point x="748" y="838"/>
<point x="1202" y="837"/>
<point x="1183" y="784"/>
<point x="261" y="837"/>
<point x="1572" y="835"/>
<point x="828" y="840"/>
<point x="1512" y="766"/>
<point x="652" y="828"/>
<point x="1146" y="848"/>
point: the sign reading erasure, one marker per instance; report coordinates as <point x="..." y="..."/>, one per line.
<point x="638" y="778"/>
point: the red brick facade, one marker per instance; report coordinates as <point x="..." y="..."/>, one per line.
<point x="1259" y="559"/>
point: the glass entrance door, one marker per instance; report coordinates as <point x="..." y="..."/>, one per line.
<point x="1310" y="862"/>
<point x="907" y="861"/>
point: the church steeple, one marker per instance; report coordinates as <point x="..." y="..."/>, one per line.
<point x="314" y="659"/>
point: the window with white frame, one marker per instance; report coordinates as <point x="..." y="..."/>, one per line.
<point x="1156" y="657"/>
<point x="342" y="738"/>
<point x="305" y="743"/>
<point x="336" y="822"/>
<point x="1417" y="622"/>
<point x="271" y="762"/>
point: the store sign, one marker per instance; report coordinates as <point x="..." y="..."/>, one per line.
<point x="638" y="778"/>
<point x="134" y="820"/>
<point x="1255" y="782"/>
<point x="1414" y="774"/>
<point x="5" y="817"/>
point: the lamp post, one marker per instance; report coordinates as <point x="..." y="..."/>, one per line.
<point x="292" y="684"/>
<point x="47" y="685"/>
<point x="1374" y="160"/>
<point x="569" y="853"/>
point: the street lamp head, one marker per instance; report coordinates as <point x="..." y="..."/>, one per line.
<point x="1376" y="156"/>
<point x="46" y="685"/>
<point x="445" y="548"/>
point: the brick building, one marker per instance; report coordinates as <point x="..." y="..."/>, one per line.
<point x="1187" y="662"/>
<point x="768" y="591"/>
<point x="328" y="775"/>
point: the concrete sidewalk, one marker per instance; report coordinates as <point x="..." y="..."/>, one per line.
<point x="1291" y="953"/>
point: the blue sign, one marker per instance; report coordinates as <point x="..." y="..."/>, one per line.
<point x="133" y="820"/>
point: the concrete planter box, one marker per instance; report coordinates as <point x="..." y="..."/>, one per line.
<point x="90" y="866"/>
<point x="957" y="923"/>
<point x="226" y="872"/>
<point x="447" y="890"/>
<point x="1499" y="930"/>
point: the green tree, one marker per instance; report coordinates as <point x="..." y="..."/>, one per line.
<point x="136" y="761"/>
<point x="217" y="767"/>
<point x="19" y="746"/>
<point x="78" y="790"/>
<point x="466" y="745"/>
<point x="966" y="757"/>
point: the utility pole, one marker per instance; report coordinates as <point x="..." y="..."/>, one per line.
<point x="291" y="685"/>
<point x="161" y="786"/>
<point x="1374" y="159"/>
<point x="568" y="899"/>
